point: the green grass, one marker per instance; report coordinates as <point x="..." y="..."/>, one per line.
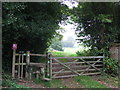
<point x="63" y="54"/>
<point x="51" y="84"/>
<point x="71" y="52"/>
<point x="88" y="82"/>
<point x="68" y="52"/>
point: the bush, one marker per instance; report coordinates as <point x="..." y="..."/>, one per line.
<point x="57" y="46"/>
<point x="94" y="52"/>
<point x="8" y="82"/>
<point x="111" y="66"/>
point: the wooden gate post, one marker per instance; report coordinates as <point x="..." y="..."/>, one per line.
<point x="27" y="76"/>
<point x="14" y="47"/>
<point x="47" y="64"/>
<point x="50" y="64"/>
<point x="13" y="63"/>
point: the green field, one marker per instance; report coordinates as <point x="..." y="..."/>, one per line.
<point x="67" y="51"/>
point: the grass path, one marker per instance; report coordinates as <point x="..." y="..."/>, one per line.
<point x="88" y="82"/>
<point x="75" y="82"/>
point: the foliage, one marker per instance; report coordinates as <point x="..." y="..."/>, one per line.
<point x="9" y="83"/>
<point x="84" y="53"/>
<point x="88" y="82"/>
<point x="57" y="46"/>
<point x="111" y="66"/>
<point x="68" y="52"/>
<point x="93" y="52"/>
<point x="98" y="23"/>
<point x="56" y="43"/>
<point x="30" y="25"/>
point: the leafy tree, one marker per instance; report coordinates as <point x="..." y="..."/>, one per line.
<point x="56" y="42"/>
<point x="57" y="45"/>
<point x="30" y="25"/>
<point x="98" y="23"/>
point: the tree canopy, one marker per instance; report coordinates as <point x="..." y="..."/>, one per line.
<point x="31" y="25"/>
<point x="98" y="23"/>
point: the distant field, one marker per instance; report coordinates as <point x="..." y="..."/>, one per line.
<point x="67" y="51"/>
<point x="73" y="50"/>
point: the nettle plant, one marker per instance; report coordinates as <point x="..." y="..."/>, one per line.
<point x="111" y="66"/>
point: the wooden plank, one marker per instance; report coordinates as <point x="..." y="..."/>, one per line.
<point x="39" y="64"/>
<point x="83" y="57"/>
<point x="75" y="66"/>
<point x="37" y="55"/>
<point x="17" y="54"/>
<point x="76" y="62"/>
<point x="89" y="64"/>
<point x="77" y="75"/>
<point x="19" y="66"/>
<point x="93" y="65"/>
<point x="76" y="70"/>
<point x="66" y="67"/>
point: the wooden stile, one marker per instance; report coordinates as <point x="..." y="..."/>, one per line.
<point x="37" y="55"/>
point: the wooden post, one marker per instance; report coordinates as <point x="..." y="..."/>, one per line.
<point x="47" y="64"/>
<point x="50" y="64"/>
<point x="27" y="64"/>
<point x="43" y="72"/>
<point x="22" y="65"/>
<point x="19" y="66"/>
<point x="51" y="68"/>
<point x="13" y="63"/>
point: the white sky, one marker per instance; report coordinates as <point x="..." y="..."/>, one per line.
<point x="69" y="31"/>
<point x="69" y="28"/>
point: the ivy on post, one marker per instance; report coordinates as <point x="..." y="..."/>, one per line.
<point x="14" y="47"/>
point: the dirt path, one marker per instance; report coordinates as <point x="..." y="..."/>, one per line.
<point x="68" y="82"/>
<point x="30" y="84"/>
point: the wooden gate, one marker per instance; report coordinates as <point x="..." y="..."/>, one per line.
<point x="84" y="65"/>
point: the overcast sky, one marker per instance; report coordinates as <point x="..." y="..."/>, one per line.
<point x="69" y="28"/>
